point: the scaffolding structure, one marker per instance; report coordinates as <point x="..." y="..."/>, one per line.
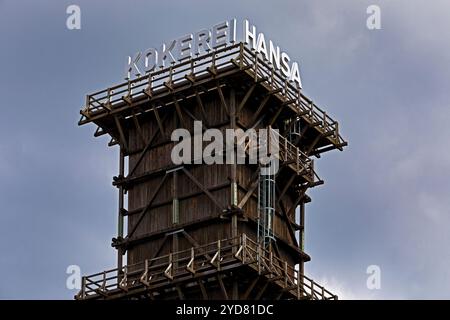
<point x="210" y="231"/>
<point x="152" y="277"/>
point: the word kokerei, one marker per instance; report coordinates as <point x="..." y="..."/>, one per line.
<point x="206" y="40"/>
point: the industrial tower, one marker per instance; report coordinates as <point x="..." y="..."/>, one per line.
<point x="220" y="231"/>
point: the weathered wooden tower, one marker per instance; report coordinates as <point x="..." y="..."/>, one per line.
<point x="219" y="231"/>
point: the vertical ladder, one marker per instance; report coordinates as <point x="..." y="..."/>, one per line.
<point x="266" y="210"/>
<point x="294" y="130"/>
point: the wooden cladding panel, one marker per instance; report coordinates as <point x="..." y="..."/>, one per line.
<point x="194" y="204"/>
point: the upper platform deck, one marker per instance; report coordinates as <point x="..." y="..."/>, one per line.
<point x="235" y="65"/>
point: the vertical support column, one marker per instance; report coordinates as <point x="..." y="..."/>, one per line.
<point x="241" y="56"/>
<point x="175" y="215"/>
<point x="175" y="250"/>
<point x="121" y="210"/>
<point x="233" y="166"/>
<point x="302" y="239"/>
<point x="234" y="191"/>
<point x="83" y="287"/>
<point x="175" y="203"/>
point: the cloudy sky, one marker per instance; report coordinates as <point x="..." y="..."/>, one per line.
<point x="386" y="198"/>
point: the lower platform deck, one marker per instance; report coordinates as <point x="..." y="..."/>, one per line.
<point x="235" y="268"/>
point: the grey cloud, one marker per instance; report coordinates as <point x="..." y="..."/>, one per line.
<point x="385" y="198"/>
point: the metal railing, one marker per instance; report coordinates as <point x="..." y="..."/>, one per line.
<point x="182" y="265"/>
<point x="277" y="145"/>
<point x="288" y="152"/>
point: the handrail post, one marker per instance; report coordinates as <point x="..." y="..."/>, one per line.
<point x="169" y="270"/>
<point x="129" y="89"/>
<point x="149" y="91"/>
<point x="122" y="283"/>
<point x="336" y="130"/>
<point x="88" y="104"/>
<point x="212" y="67"/>
<point x="241" y="56"/>
<point x="144" y="277"/>
<point x="302" y="287"/>
<point x="256" y="67"/>
<point x="108" y="98"/>
<point x="190" y="265"/>
<point x="218" y="257"/>
<point x="272" y="74"/>
<point x="83" y="287"/>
